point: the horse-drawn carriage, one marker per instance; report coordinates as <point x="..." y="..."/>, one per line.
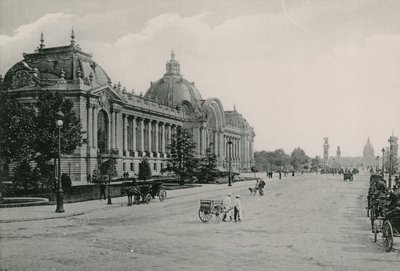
<point x="377" y="186"/>
<point x="388" y="222"/>
<point x="145" y="191"/>
<point x="211" y="210"/>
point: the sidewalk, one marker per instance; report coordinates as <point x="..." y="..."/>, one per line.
<point x="18" y="214"/>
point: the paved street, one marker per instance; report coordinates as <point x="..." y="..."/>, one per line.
<point x="306" y="222"/>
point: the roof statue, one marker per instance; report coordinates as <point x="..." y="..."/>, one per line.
<point x="326" y="140"/>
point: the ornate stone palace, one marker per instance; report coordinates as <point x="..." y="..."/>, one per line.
<point x="126" y="125"/>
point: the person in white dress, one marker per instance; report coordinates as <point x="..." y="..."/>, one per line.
<point x="227" y="204"/>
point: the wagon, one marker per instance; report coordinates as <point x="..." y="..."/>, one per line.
<point x="389" y="226"/>
<point x="144" y="192"/>
<point x="348" y="176"/>
<point x="373" y="189"/>
<point x="211" y="210"/>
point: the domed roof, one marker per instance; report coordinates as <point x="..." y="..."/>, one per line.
<point x="173" y="88"/>
<point x="52" y="64"/>
<point x="368" y="149"/>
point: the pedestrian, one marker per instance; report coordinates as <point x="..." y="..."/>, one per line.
<point x="280" y="175"/>
<point x="293" y="173"/>
<point x="261" y="185"/>
<point x="237" y="209"/>
<point x="227" y="205"/>
<point x="102" y="189"/>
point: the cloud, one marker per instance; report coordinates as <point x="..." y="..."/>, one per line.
<point x="292" y="87"/>
<point x="25" y="32"/>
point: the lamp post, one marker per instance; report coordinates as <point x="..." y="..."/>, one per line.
<point x="59" y="192"/>
<point x="377" y="164"/>
<point x="229" y="163"/>
<point x="383" y="162"/>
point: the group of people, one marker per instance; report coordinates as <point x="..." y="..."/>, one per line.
<point x="229" y="205"/>
<point x="259" y="186"/>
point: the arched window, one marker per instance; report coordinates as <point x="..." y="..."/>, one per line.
<point x="102" y="132"/>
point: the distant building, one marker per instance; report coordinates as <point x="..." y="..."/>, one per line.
<point x="368" y="155"/>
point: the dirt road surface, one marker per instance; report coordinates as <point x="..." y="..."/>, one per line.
<point x="306" y="222"/>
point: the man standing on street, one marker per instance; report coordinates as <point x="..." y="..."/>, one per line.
<point x="227" y="204"/>
<point x="237" y="208"/>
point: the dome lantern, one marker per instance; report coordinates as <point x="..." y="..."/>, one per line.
<point x="173" y="66"/>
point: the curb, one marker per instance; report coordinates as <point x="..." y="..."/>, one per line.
<point x="41" y="218"/>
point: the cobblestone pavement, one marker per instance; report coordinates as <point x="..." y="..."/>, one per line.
<point x="306" y="222"/>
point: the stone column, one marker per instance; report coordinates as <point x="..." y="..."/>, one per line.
<point x="116" y="129"/>
<point x="90" y="126"/>
<point x="156" y="147"/>
<point x="94" y="126"/>
<point x="113" y="129"/>
<point x="142" y="135"/>
<point x="134" y="134"/>
<point x="163" y="139"/>
<point x="150" y="138"/>
<point x="125" y="134"/>
<point x="169" y="135"/>
<point x="221" y="145"/>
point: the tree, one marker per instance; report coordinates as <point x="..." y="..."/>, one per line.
<point x="183" y="160"/>
<point x="298" y="158"/>
<point x="144" y="169"/>
<point x="207" y="170"/>
<point x="47" y="104"/>
<point x="280" y="158"/>
<point x="17" y="130"/>
<point x="29" y="133"/>
<point x="316" y="163"/>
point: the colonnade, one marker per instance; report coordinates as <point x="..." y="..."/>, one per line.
<point x="145" y="136"/>
<point x="130" y="135"/>
<point x="234" y="150"/>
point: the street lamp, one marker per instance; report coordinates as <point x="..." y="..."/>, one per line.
<point x="383" y="162"/>
<point x="59" y="192"/>
<point x="229" y="163"/>
<point x="377" y="164"/>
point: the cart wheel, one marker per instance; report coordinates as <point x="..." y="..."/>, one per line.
<point x="162" y="195"/>
<point x="388" y="235"/>
<point x="217" y="214"/>
<point x="147" y="199"/>
<point x="204" y="215"/>
<point x="137" y="199"/>
<point x="375" y="232"/>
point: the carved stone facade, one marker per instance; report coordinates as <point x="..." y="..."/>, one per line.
<point x="126" y="125"/>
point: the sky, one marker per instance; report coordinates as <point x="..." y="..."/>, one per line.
<point x="298" y="70"/>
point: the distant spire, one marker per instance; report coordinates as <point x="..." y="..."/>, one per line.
<point x="172" y="54"/>
<point x="41" y="41"/>
<point x="234" y="107"/>
<point x="72" y="37"/>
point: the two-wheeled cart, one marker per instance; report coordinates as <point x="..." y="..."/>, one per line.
<point x="211" y="210"/>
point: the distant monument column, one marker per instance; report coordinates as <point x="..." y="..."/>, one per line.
<point x="326" y="151"/>
<point x="392" y="156"/>
<point x="338" y="153"/>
